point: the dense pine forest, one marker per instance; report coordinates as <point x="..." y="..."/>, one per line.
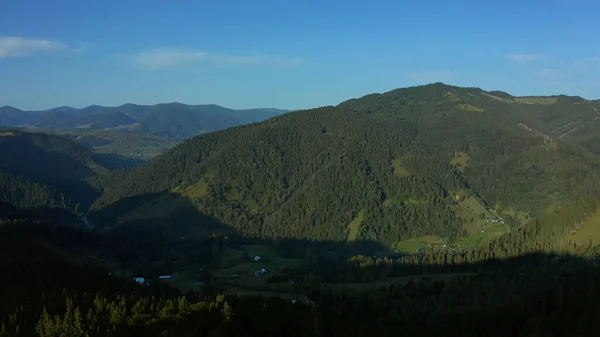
<point x="425" y="211"/>
<point x="398" y="163"/>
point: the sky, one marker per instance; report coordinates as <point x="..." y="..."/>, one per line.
<point x="289" y="54"/>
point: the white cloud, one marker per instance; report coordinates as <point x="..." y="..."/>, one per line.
<point x="523" y="58"/>
<point x="173" y="58"/>
<point x="15" y="46"/>
<point x="433" y="76"/>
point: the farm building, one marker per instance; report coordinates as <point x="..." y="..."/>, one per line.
<point x="260" y="273"/>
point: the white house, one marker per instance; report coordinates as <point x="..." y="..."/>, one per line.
<point x="257" y="258"/>
<point x="139" y="280"/>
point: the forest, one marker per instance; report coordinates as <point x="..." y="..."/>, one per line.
<point x="330" y="198"/>
<point x="532" y="282"/>
<point x="399" y="163"/>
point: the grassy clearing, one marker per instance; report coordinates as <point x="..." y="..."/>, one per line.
<point x="471" y="210"/>
<point x="475" y="239"/>
<point x="184" y="281"/>
<point x="197" y="190"/>
<point x="468" y="108"/>
<point x="451" y="96"/>
<point x="354" y="226"/>
<point x="7" y="134"/>
<point x="590" y="230"/>
<point x="230" y="257"/>
<point x="536" y="100"/>
<point x="399" y="169"/>
<point x="241" y="262"/>
<point x="461" y="160"/>
<point x="414" y="244"/>
<point x="476" y="208"/>
<point x="496" y="98"/>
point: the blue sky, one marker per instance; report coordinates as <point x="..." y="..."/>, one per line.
<point x="289" y="54"/>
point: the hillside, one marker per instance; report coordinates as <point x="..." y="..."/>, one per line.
<point x="43" y="170"/>
<point x="173" y="120"/>
<point x="115" y="149"/>
<point x="434" y="163"/>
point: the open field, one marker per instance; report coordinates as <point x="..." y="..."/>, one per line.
<point x="589" y="231"/>
<point x="536" y="100"/>
<point x="468" y="108"/>
<point x="400" y="170"/>
<point x="354" y="226"/>
<point x="461" y="161"/>
<point x="414" y="244"/>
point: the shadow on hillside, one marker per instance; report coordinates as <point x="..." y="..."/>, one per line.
<point x="9" y="213"/>
<point x="149" y="240"/>
<point x="181" y="218"/>
<point x="35" y="157"/>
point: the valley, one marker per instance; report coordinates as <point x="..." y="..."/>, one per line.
<point x="423" y="196"/>
<point x="130" y="134"/>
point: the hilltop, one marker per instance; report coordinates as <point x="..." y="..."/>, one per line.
<point x="427" y="164"/>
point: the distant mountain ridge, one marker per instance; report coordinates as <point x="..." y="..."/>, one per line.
<point x="172" y="120"/>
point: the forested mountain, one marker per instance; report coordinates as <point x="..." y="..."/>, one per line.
<point x="173" y="120"/>
<point x="42" y="170"/>
<point x="432" y="160"/>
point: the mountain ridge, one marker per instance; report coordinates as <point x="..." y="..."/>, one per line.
<point x="433" y="160"/>
<point x="189" y="120"/>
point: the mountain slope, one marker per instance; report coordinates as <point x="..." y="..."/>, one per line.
<point x="434" y="160"/>
<point x="41" y="170"/>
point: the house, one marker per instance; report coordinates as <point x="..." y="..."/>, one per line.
<point x="260" y="273"/>
<point x="293" y="301"/>
<point x="257" y="258"/>
<point x="165" y="277"/>
<point x="139" y="280"/>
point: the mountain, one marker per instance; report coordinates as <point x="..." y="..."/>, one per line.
<point x="434" y="163"/>
<point x="58" y="120"/>
<point x="173" y="120"/>
<point x="489" y="200"/>
<point x="10" y="116"/>
<point x="45" y="171"/>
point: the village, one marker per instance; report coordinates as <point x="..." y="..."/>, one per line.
<point x="199" y="283"/>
